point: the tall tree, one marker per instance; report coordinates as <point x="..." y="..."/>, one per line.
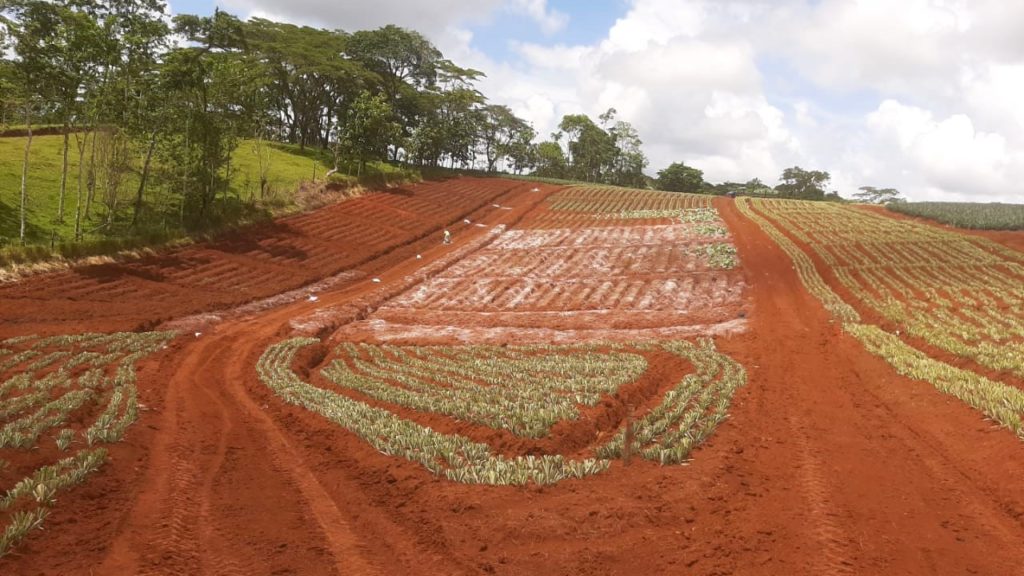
<point x="498" y="128"/>
<point x="406" y="63"/>
<point x="803" y="184"/>
<point x="550" y="160"/>
<point x="629" y="161"/>
<point x="590" y="149"/>
<point x="34" y="72"/>
<point x="678" y="177"/>
<point x="206" y="80"/>
<point x="367" y="129"/>
<point x="873" y="195"/>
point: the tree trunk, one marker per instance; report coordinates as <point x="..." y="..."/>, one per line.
<point x="91" y="184"/>
<point x="24" y="170"/>
<point x="142" y="180"/>
<point x="81" y="185"/>
<point x="262" y="164"/>
<point x="63" y="177"/>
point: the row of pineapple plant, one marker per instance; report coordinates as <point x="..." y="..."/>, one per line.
<point x="43" y="382"/>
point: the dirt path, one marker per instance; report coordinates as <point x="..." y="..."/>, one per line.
<point x="829" y="464"/>
<point x="877" y="473"/>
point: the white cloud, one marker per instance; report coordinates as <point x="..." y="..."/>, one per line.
<point x="550" y="20"/>
<point x="949" y="154"/>
<point x="692" y="99"/>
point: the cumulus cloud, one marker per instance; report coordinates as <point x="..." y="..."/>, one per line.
<point x="694" y="95"/>
<point x="946" y="155"/>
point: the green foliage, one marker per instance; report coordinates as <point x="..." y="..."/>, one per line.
<point x="525" y="391"/>
<point x="976" y="216"/>
<point x="504" y="135"/>
<point x="286" y="168"/>
<point x="78" y="389"/>
<point x="151" y="127"/>
<point x="480" y="384"/>
<point x="872" y="195"/>
<point x="368" y="129"/>
<point x="679" y="177"/>
<point x="550" y="161"/>
<point x="803" y="184"/>
<point x="582" y="151"/>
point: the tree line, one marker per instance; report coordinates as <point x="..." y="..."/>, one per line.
<point x="794" y="183"/>
<point x="145" y="100"/>
<point x="167" y="100"/>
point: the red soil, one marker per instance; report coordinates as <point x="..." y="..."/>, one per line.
<point x="365" y="234"/>
<point x="829" y="464"/>
<point x="871" y="316"/>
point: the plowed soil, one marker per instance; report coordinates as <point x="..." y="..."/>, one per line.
<point x="830" y="463"/>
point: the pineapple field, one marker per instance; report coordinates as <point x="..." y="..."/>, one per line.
<point x="586" y="380"/>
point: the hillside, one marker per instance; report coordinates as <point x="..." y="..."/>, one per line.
<point x="108" y="224"/>
<point x="639" y="381"/>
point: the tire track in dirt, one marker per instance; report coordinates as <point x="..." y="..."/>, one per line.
<point x="835" y="557"/>
<point x="199" y="536"/>
<point x="168" y="537"/>
<point x="894" y="476"/>
<point x="348" y="549"/>
<point x="792" y="374"/>
<point x="211" y="415"/>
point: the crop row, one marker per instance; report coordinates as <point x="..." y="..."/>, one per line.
<point x="619" y="235"/>
<point x="681" y="292"/>
<point x="455" y="456"/>
<point x="961" y="294"/>
<point x="1000" y="402"/>
<point x="979" y="216"/>
<point x="619" y="200"/>
<point x="581" y="207"/>
<point x="72" y="387"/>
<point x="599" y="261"/>
<point x="525" y="395"/>
<point x="688" y="413"/>
<point x="530" y="387"/>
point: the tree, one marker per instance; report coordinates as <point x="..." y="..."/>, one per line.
<point x="550" y="160"/>
<point x="34" y="73"/>
<point x="522" y="153"/>
<point x="803" y="184"/>
<point x="500" y="129"/>
<point x="679" y="177"/>
<point x="367" y="129"/>
<point x="629" y="161"/>
<point x="206" y="81"/>
<point x="873" y="195"/>
<point x="590" y="149"/>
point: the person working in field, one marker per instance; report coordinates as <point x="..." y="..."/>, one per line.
<point x="447" y="237"/>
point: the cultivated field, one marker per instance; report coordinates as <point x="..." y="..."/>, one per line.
<point x="587" y="380"/>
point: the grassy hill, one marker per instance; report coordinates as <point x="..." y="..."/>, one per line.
<point x="107" y="227"/>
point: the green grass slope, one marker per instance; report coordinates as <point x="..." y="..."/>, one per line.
<point x="287" y="168"/>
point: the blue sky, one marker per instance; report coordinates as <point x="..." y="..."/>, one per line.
<point x="922" y="95"/>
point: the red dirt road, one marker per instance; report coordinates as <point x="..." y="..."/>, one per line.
<point x="829" y="464"/>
